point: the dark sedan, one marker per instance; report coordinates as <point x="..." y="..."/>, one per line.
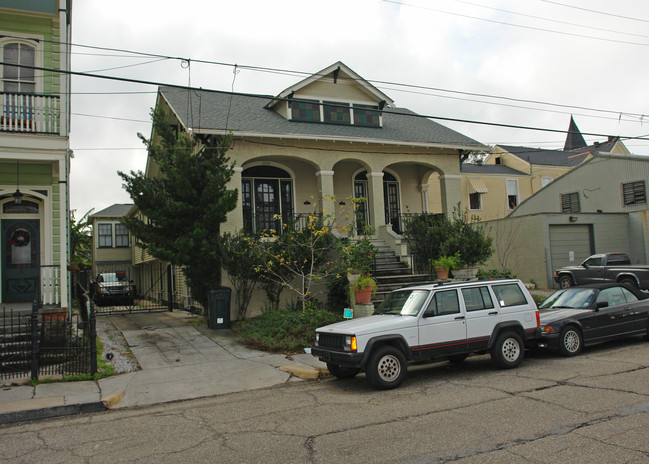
<point x="590" y="314"/>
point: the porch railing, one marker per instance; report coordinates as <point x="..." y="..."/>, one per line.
<point x="28" y="112"/>
<point x="51" y="284"/>
<point x="257" y="224"/>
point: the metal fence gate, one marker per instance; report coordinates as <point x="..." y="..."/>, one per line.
<point x="158" y="292"/>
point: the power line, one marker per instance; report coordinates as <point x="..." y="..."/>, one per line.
<point x="376" y="82"/>
<point x="439" y="118"/>
<point x="567" y="23"/>
<point x="630" y="18"/>
<point x="533" y="28"/>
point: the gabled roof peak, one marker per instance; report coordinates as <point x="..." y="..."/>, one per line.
<point x="337" y="72"/>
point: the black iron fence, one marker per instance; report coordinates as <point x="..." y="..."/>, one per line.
<point x="47" y="344"/>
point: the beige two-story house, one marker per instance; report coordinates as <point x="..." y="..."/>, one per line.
<point x="312" y="147"/>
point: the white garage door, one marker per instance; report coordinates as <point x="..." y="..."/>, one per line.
<point x="567" y="240"/>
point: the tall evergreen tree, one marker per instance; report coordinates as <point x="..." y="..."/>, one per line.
<point x="185" y="205"/>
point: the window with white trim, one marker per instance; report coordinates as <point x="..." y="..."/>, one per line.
<point x="17" y="79"/>
<point x="104" y="235"/>
<point x="332" y="112"/>
<point x="121" y="236"/>
<point x="512" y="193"/>
<point x="545" y="180"/>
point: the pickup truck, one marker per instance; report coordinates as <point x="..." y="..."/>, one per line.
<point x="605" y="267"/>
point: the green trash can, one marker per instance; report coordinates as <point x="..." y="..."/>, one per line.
<point x="218" y="302"/>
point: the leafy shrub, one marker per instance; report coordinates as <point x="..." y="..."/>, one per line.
<point x="288" y="330"/>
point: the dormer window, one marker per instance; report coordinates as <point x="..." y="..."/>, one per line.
<point x="305" y="110"/>
<point x="366" y="115"/>
<point x="335" y="112"/>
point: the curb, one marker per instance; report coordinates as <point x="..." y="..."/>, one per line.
<point x="54" y="411"/>
<point x="111" y="400"/>
<point x="308" y="373"/>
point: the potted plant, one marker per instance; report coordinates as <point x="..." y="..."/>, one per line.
<point x="443" y="265"/>
<point x="364" y="289"/>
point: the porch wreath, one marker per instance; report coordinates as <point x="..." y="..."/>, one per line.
<point x="19" y="238"/>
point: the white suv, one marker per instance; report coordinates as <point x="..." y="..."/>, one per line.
<point x="431" y="322"/>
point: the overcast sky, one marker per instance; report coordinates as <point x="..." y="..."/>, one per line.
<point x="429" y="56"/>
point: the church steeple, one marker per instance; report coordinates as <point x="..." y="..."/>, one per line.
<point x="574" y="138"/>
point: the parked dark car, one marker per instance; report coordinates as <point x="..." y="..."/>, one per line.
<point x="574" y="317"/>
<point x="604" y="267"/>
<point x="113" y="287"/>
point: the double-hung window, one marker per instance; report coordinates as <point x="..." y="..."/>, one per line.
<point x="121" y="236"/>
<point x="105" y="235"/>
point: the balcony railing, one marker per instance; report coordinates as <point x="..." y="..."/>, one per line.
<point x="28" y="112"/>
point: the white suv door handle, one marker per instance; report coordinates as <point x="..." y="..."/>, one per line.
<point x="494" y="313"/>
<point x="459" y="318"/>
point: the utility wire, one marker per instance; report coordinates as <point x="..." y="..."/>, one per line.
<point x="439" y="118"/>
<point x="295" y="73"/>
<point x="533" y="28"/>
<point x="558" y="21"/>
<point x="630" y="18"/>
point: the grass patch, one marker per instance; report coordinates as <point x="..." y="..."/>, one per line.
<point x="288" y="330"/>
<point x="104" y="369"/>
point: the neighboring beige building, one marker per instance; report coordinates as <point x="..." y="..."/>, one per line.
<point x="329" y="138"/>
<point x="511" y="174"/>
<point x="111" y="240"/>
<point x="599" y="206"/>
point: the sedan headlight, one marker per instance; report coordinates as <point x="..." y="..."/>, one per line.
<point x="317" y="339"/>
<point x="547" y="329"/>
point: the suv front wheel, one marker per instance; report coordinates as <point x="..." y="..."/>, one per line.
<point x="386" y="368"/>
<point x="508" y="350"/>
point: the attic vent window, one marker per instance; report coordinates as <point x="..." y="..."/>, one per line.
<point x="633" y="193"/>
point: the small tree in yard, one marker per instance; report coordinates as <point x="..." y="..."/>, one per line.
<point x="300" y="255"/>
<point x="80" y="241"/>
<point x="184" y="207"/>
<point x="240" y="259"/>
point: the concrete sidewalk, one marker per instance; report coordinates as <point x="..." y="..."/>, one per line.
<point x="180" y="359"/>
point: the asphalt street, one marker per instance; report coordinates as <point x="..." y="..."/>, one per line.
<point x="593" y="408"/>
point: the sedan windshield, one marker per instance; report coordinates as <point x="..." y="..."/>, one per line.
<point x="404" y="302"/>
<point x="576" y="298"/>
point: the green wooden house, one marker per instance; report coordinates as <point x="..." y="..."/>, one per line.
<point x="34" y="151"/>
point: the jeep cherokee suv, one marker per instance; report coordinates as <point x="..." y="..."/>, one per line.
<point x="432" y="322"/>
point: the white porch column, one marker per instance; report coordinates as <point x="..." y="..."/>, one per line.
<point x="234" y="222"/>
<point x="424" y="198"/>
<point x="326" y="189"/>
<point x="451" y="186"/>
<point x="376" y="200"/>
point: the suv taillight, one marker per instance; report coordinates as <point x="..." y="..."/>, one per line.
<point x="538" y="319"/>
